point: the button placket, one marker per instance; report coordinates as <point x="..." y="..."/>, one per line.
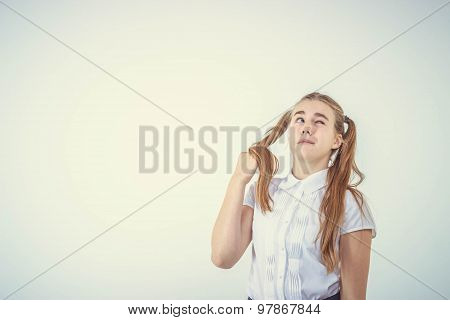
<point x="296" y="210"/>
<point x="281" y="260"/>
<point x="284" y="225"/>
<point x="304" y="205"/>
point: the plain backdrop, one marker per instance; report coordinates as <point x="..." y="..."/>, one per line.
<point x="70" y="112"/>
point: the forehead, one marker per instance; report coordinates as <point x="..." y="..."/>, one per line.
<point x="312" y="106"/>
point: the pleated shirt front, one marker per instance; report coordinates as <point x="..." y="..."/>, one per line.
<point x="286" y="263"/>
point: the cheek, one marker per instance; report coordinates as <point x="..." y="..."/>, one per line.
<point x="325" y="141"/>
<point x="293" y="134"/>
<point x="292" y="139"/>
<point x="321" y="135"/>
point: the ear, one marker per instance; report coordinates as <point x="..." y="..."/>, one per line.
<point x="337" y="142"/>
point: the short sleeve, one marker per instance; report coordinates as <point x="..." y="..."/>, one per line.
<point x="354" y="220"/>
<point x="249" y="195"/>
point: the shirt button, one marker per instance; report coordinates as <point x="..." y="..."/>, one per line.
<point x="286" y="221"/>
<point x="282" y="249"/>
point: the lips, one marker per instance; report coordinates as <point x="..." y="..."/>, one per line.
<point x="306" y="141"/>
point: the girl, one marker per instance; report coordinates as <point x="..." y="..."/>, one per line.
<point x="286" y="217"/>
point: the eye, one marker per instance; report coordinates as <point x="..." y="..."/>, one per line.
<point x="318" y="121"/>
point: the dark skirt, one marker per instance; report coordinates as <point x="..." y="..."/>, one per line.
<point x="336" y="296"/>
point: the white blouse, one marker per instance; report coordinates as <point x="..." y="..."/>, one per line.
<point x="285" y="261"/>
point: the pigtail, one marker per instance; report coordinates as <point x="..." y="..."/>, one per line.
<point x="267" y="162"/>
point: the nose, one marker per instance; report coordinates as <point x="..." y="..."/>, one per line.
<point x="306" y="129"/>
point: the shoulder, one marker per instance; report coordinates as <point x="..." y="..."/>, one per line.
<point x="358" y="214"/>
<point x="274" y="182"/>
<point x="355" y="200"/>
<point x="250" y="190"/>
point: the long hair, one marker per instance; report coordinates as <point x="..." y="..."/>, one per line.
<point x="332" y="207"/>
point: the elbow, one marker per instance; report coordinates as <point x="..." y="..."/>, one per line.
<point x="352" y="292"/>
<point x="219" y="262"/>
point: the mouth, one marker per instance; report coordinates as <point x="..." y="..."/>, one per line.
<point x="305" y="141"/>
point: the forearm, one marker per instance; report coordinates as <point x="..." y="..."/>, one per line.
<point x="226" y="236"/>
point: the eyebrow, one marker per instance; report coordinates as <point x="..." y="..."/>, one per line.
<point x="316" y="114"/>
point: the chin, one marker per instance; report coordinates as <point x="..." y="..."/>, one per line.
<point x="304" y="155"/>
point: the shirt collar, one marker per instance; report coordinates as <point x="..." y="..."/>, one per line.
<point x="311" y="183"/>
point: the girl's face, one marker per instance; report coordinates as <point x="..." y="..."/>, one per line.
<point x="312" y="136"/>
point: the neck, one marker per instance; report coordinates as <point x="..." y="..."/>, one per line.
<point x="302" y="168"/>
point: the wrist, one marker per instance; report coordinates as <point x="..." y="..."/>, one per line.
<point x="239" y="178"/>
